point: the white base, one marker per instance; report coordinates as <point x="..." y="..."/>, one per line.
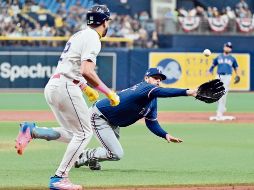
<point x="221" y="118"/>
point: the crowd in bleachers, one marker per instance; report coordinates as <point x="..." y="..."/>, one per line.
<point x="63" y="18"/>
<point x="213" y="15"/>
<point x="36" y="18"/>
<point x="241" y="10"/>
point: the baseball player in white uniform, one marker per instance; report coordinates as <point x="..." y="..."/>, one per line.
<point x="64" y="95"/>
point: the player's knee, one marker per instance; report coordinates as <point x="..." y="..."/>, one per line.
<point x="88" y="131"/>
<point x="89" y="135"/>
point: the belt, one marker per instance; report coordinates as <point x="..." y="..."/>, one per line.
<point x="224" y="74"/>
<point x="76" y="81"/>
<point x="58" y="75"/>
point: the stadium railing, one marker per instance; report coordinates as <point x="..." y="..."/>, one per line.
<point x="128" y="41"/>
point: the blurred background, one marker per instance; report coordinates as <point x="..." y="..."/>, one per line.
<point x="169" y="34"/>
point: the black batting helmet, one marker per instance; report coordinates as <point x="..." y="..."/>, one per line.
<point x="97" y="15"/>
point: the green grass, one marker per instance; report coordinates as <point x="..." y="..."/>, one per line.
<point x="237" y="102"/>
<point x="210" y="154"/>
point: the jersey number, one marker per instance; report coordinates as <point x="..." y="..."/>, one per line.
<point x="66" y="49"/>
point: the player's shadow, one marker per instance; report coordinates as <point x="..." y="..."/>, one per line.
<point x="125" y="170"/>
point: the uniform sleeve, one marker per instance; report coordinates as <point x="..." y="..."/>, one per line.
<point x="215" y="63"/>
<point x="155" y="128"/>
<point x="234" y="65"/>
<point x="152" y="123"/>
<point x="166" y="92"/>
<point x="152" y="115"/>
<point x="91" y="48"/>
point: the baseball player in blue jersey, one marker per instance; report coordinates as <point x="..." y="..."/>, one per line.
<point x="136" y="102"/>
<point x="226" y="63"/>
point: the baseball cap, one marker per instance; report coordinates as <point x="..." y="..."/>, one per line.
<point x="155" y="72"/>
<point x="228" y="44"/>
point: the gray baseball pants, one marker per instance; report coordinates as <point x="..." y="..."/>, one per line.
<point x="107" y="135"/>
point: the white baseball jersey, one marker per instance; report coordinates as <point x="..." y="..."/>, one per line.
<point x="82" y="46"/>
<point x="66" y="99"/>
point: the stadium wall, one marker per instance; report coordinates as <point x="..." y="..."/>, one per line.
<point x="120" y="68"/>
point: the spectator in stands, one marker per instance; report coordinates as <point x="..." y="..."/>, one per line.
<point x="39" y="9"/>
<point x="6" y="22"/>
<point x="15" y="9"/>
<point x="242" y="9"/>
<point x="46" y="30"/>
<point x="3" y="4"/>
<point x="37" y="31"/>
<point x="62" y="10"/>
<point x="200" y="11"/>
<point x="170" y="14"/>
<point x="144" y="16"/>
<point x="71" y="21"/>
<point x="242" y="4"/>
<point x="182" y="12"/>
<point x="36" y="8"/>
<point x="26" y="7"/>
<point x="244" y="13"/>
<point x="192" y="12"/>
<point x="209" y="12"/>
<point x="16" y="31"/>
<point x="230" y="13"/>
<point x="78" y="9"/>
<point x="216" y="12"/>
<point x="143" y="37"/>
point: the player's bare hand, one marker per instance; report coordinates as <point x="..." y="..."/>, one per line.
<point x="170" y="138"/>
<point x="192" y="92"/>
<point x="208" y="73"/>
<point x="113" y="98"/>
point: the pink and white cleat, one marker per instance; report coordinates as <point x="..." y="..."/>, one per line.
<point x="24" y="136"/>
<point x="62" y="183"/>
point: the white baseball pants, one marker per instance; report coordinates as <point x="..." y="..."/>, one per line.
<point x="222" y="102"/>
<point x="71" y="111"/>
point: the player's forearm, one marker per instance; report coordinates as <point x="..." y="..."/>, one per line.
<point x="94" y="80"/>
<point x="211" y="69"/>
<point x="155" y="128"/>
<point x="168" y="92"/>
<point x="88" y="72"/>
<point x="236" y="71"/>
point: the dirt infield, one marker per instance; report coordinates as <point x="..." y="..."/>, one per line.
<point x="201" y="117"/>
<point x="184" y="188"/>
<point x="167" y="117"/>
<point x="228" y="187"/>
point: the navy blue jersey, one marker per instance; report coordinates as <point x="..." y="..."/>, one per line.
<point x="225" y="64"/>
<point x="135" y="103"/>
